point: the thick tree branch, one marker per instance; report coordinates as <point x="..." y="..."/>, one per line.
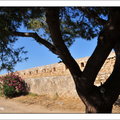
<point x="113" y="82"/>
<point x="92" y="14"/>
<point x="52" y="19"/>
<point x="38" y="39"/>
<point x="112" y="85"/>
<point x="106" y="42"/>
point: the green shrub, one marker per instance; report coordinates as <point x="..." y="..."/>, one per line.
<point x="9" y="91"/>
<point x="12" y="85"/>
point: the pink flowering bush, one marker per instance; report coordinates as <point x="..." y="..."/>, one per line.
<point x="13" y="85"/>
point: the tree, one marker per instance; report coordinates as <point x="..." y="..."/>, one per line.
<point x="61" y="26"/>
<point x="9" y="55"/>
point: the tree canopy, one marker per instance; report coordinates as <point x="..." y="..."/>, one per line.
<point x="75" y="22"/>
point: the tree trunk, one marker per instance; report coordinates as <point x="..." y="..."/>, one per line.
<point x="101" y="99"/>
<point x="103" y="109"/>
<point x="96" y="99"/>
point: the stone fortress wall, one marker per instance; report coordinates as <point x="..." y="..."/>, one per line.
<point x="55" y="79"/>
<point x="59" y="69"/>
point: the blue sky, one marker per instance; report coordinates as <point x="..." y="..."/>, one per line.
<point x="39" y="55"/>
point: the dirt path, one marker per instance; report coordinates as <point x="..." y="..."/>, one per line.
<point x="25" y="105"/>
<point x="43" y="104"/>
<point x="10" y="106"/>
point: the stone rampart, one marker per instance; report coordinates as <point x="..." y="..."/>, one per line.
<point x="59" y="69"/>
<point x="54" y="86"/>
<point x="55" y="79"/>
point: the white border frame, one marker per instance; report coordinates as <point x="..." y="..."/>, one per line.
<point x="59" y="116"/>
<point x="59" y="3"/>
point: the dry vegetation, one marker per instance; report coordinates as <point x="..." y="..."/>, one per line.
<point x="56" y="103"/>
<point x="60" y="104"/>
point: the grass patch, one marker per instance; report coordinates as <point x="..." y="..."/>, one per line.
<point x="33" y="94"/>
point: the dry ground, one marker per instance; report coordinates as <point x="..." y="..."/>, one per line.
<point x="43" y="104"/>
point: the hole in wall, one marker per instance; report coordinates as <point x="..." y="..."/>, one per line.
<point x="54" y="69"/>
<point x="30" y="73"/>
<point x="37" y="71"/>
<point x="82" y="64"/>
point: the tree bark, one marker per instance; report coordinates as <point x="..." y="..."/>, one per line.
<point x="94" y="98"/>
<point x="52" y="19"/>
